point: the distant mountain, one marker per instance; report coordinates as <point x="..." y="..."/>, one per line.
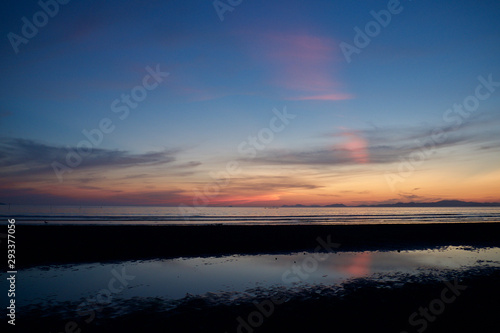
<point x="442" y="203"/>
<point x="299" y="206"/>
<point x="309" y="206"/>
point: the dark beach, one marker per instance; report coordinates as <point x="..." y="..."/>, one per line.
<point x="359" y="304"/>
<point x="53" y="244"/>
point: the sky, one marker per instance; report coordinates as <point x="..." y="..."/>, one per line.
<point x="249" y="103"/>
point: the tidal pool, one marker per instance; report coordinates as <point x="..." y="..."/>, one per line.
<point x="176" y="278"/>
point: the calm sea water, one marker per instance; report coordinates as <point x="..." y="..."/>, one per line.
<point x="242" y="215"/>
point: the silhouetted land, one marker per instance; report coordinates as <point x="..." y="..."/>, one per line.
<point x="442" y="203"/>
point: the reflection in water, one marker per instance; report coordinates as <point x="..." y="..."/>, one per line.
<point x="176" y="278"/>
<point x="359" y="265"/>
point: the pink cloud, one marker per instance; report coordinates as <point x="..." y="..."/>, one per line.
<point x="328" y="97"/>
<point x="303" y="65"/>
<point x="355" y="145"/>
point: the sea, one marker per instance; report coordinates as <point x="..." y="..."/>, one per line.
<point x="148" y="215"/>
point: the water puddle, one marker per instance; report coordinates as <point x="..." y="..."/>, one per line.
<point x="176" y="278"/>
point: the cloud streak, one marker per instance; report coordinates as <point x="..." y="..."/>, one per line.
<point x="327" y="97"/>
<point x="88" y="195"/>
<point x="23" y="158"/>
<point x="386" y="145"/>
<point x="303" y="65"/>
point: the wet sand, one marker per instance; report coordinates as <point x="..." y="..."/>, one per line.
<point x="460" y="302"/>
<point x="52" y="244"/>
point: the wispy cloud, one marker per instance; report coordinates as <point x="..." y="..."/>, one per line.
<point x="90" y="195"/>
<point x="302" y="65"/>
<point x="23" y="158"/>
<point x="327" y="97"/>
<point x="254" y="189"/>
<point x="387" y="145"/>
<point x="355" y="145"/>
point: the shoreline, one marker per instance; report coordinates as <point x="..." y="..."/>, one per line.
<point x="69" y="244"/>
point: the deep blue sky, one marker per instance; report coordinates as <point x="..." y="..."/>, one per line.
<point x="354" y="121"/>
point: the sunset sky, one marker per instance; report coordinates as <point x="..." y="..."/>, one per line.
<point x="282" y="102"/>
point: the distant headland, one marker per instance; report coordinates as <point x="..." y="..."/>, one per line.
<point x="442" y="203"/>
